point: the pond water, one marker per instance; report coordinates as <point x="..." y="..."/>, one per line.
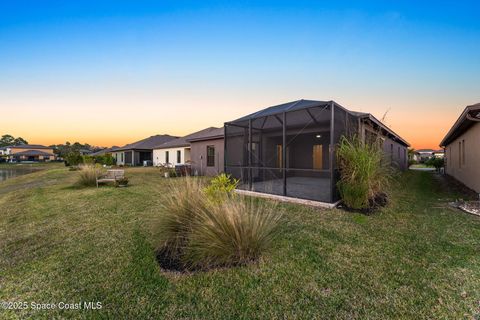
<point x="15" y="171"/>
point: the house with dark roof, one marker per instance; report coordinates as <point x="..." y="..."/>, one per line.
<point x="288" y="150"/>
<point x="207" y="152"/>
<point x="462" y="148"/>
<point x="28" y="153"/>
<point x="134" y="154"/>
<point x="422" y="155"/>
<point x="104" y="151"/>
<point x="177" y="151"/>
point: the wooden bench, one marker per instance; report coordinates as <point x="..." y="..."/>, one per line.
<point x="111" y="176"/>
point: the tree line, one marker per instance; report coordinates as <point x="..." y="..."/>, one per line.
<point x="9" y="140"/>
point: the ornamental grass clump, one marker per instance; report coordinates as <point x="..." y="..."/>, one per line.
<point x="180" y="209"/>
<point x="365" y="175"/>
<point x="198" y="233"/>
<point x="88" y="175"/>
<point x="234" y="232"/>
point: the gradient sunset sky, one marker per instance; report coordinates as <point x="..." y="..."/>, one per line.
<point x="113" y="72"/>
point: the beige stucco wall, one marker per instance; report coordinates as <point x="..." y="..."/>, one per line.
<point x="469" y="172"/>
<point x="199" y="157"/>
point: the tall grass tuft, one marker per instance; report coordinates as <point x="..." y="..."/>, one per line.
<point x="179" y="211"/>
<point x="88" y="175"/>
<point x="196" y="232"/>
<point x="234" y="232"/>
<point x="364" y="173"/>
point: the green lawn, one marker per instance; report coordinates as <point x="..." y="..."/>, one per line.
<point x="417" y="259"/>
<point x="420" y="165"/>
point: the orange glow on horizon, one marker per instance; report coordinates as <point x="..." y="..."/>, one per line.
<point x="125" y="125"/>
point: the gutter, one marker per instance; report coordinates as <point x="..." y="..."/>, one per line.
<point x="465" y="115"/>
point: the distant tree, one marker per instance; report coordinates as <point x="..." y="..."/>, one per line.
<point x="62" y="150"/>
<point x="6" y="140"/>
<point x="19" y="141"/>
<point x="9" y="140"/>
<point x="73" y="158"/>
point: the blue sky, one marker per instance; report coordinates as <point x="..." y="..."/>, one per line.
<point x="155" y="61"/>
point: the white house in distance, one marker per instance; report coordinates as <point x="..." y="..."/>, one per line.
<point x="177" y="151"/>
<point x="134" y="154"/>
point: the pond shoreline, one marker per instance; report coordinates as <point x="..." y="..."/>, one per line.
<point x="11" y="171"/>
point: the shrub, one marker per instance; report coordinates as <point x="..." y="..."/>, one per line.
<point x="86" y="159"/>
<point x="221" y="186"/>
<point x="73" y="158"/>
<point x="172" y="172"/>
<point x="437" y="163"/>
<point x="108" y="160"/>
<point x="364" y="175"/>
<point x="197" y="233"/>
<point x="88" y="175"/>
<point x="105" y="159"/>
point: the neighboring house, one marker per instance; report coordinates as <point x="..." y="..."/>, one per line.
<point x="177" y="151"/>
<point x="134" y="154"/>
<point x="289" y="149"/>
<point x="103" y="152"/>
<point x="462" y="148"/>
<point x="85" y="152"/>
<point x="206" y="152"/>
<point x="422" y="155"/>
<point x="439" y="154"/>
<point x="29" y="152"/>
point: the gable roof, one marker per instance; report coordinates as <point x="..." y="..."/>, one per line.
<point x="469" y="116"/>
<point x="425" y="150"/>
<point x="209" y="134"/>
<point x="104" y="151"/>
<point x="32" y="153"/>
<point x="305" y="104"/>
<point x="29" y="146"/>
<point x="184" y="141"/>
<point x="148" y="143"/>
<point x="284" y="107"/>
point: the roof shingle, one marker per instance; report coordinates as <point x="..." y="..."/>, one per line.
<point x="148" y="143"/>
<point x="185" y="141"/>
